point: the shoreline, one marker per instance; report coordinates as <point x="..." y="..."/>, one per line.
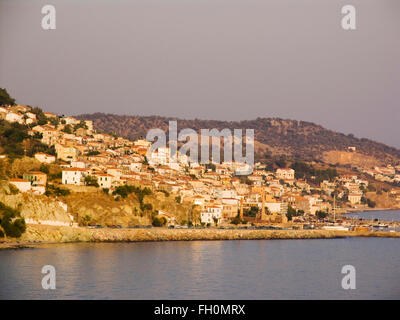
<point x="371" y="209"/>
<point x="34" y="236"/>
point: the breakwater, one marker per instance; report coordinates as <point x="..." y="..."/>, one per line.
<point x="38" y="234"/>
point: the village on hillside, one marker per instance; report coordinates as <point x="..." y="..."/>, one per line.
<point x="91" y="159"/>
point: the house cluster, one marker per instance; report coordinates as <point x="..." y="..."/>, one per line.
<point x="18" y="113"/>
<point x="33" y="181"/>
<point x="390" y="174"/>
<point x="349" y="187"/>
<point x="97" y="159"/>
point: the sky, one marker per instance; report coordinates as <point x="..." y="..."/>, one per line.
<point x="209" y="59"/>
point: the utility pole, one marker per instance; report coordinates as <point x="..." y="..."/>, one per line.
<point x="241" y="208"/>
<point x="334" y="208"/>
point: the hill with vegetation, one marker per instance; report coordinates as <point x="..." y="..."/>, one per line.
<point x="274" y="136"/>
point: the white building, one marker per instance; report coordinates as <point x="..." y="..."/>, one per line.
<point x="213" y="212"/>
<point x="104" y="180"/>
<point x="45" y="158"/>
<point x="21" y="184"/>
<point x="355" y="198"/>
<point x="116" y="173"/>
<point x="135" y="166"/>
<point x="78" y="164"/>
<point x="74" y="176"/>
<point x="38" y="189"/>
<point x="15" y="117"/>
<point x="161" y="156"/>
<point x="277" y="207"/>
<point x="285" y="174"/>
<point x="70" y="120"/>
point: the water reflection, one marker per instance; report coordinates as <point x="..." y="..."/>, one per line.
<point x="261" y="269"/>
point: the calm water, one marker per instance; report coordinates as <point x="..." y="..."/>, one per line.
<point x="263" y="269"/>
<point x="383" y="215"/>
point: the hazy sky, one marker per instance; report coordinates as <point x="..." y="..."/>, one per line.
<point x="210" y="59"/>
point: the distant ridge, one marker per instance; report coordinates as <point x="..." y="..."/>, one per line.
<point x="275" y="136"/>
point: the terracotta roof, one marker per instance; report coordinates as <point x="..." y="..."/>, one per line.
<point x="35" y="172"/>
<point x="75" y="169"/>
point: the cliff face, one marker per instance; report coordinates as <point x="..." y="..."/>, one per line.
<point x="34" y="206"/>
<point x="93" y="207"/>
<point x="99" y="208"/>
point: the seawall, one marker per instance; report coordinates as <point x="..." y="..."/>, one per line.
<point x="37" y="234"/>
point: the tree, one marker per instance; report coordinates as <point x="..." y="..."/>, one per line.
<point x="44" y="168"/>
<point x="41" y="118"/>
<point x="81" y="124"/>
<point x="291" y="212"/>
<point x="93" y="153"/>
<point x="86" y="220"/>
<point x="371" y="203"/>
<point x="159" y="221"/>
<point x="67" y="129"/>
<point x="321" y="214"/>
<point x="91" y="181"/>
<point x="211" y="166"/>
<point x="236" y="220"/>
<point x="215" y="221"/>
<point x="252" y="212"/>
<point x="10" y="222"/>
<point x="5" y="98"/>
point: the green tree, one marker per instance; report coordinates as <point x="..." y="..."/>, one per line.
<point x="321" y="214"/>
<point x="81" y="124"/>
<point x="11" y="222"/>
<point x="252" y="212"/>
<point x="67" y="129"/>
<point x="291" y="212"/>
<point x="44" y="168"/>
<point x="236" y="220"/>
<point x="86" y="220"/>
<point x="5" y="98"/>
<point x="91" y="181"/>
<point x="215" y="221"/>
<point x="41" y="118"/>
<point x="159" y="221"/>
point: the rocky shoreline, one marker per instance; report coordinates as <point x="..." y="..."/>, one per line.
<point x="37" y="235"/>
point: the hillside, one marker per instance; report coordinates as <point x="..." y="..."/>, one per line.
<point x="274" y="136"/>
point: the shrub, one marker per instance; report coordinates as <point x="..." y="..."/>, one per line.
<point x="147" y="206"/>
<point x="93" y="153"/>
<point x="56" y="191"/>
<point x="371" y="203"/>
<point x="159" y="221"/>
<point x="91" y="181"/>
<point x="13" y="189"/>
<point x="44" y="168"/>
<point x="10" y="223"/>
<point x="321" y="214"/>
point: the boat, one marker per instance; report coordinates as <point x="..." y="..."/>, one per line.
<point x="336" y="228"/>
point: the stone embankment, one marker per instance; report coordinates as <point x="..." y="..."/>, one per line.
<point x="37" y="234"/>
